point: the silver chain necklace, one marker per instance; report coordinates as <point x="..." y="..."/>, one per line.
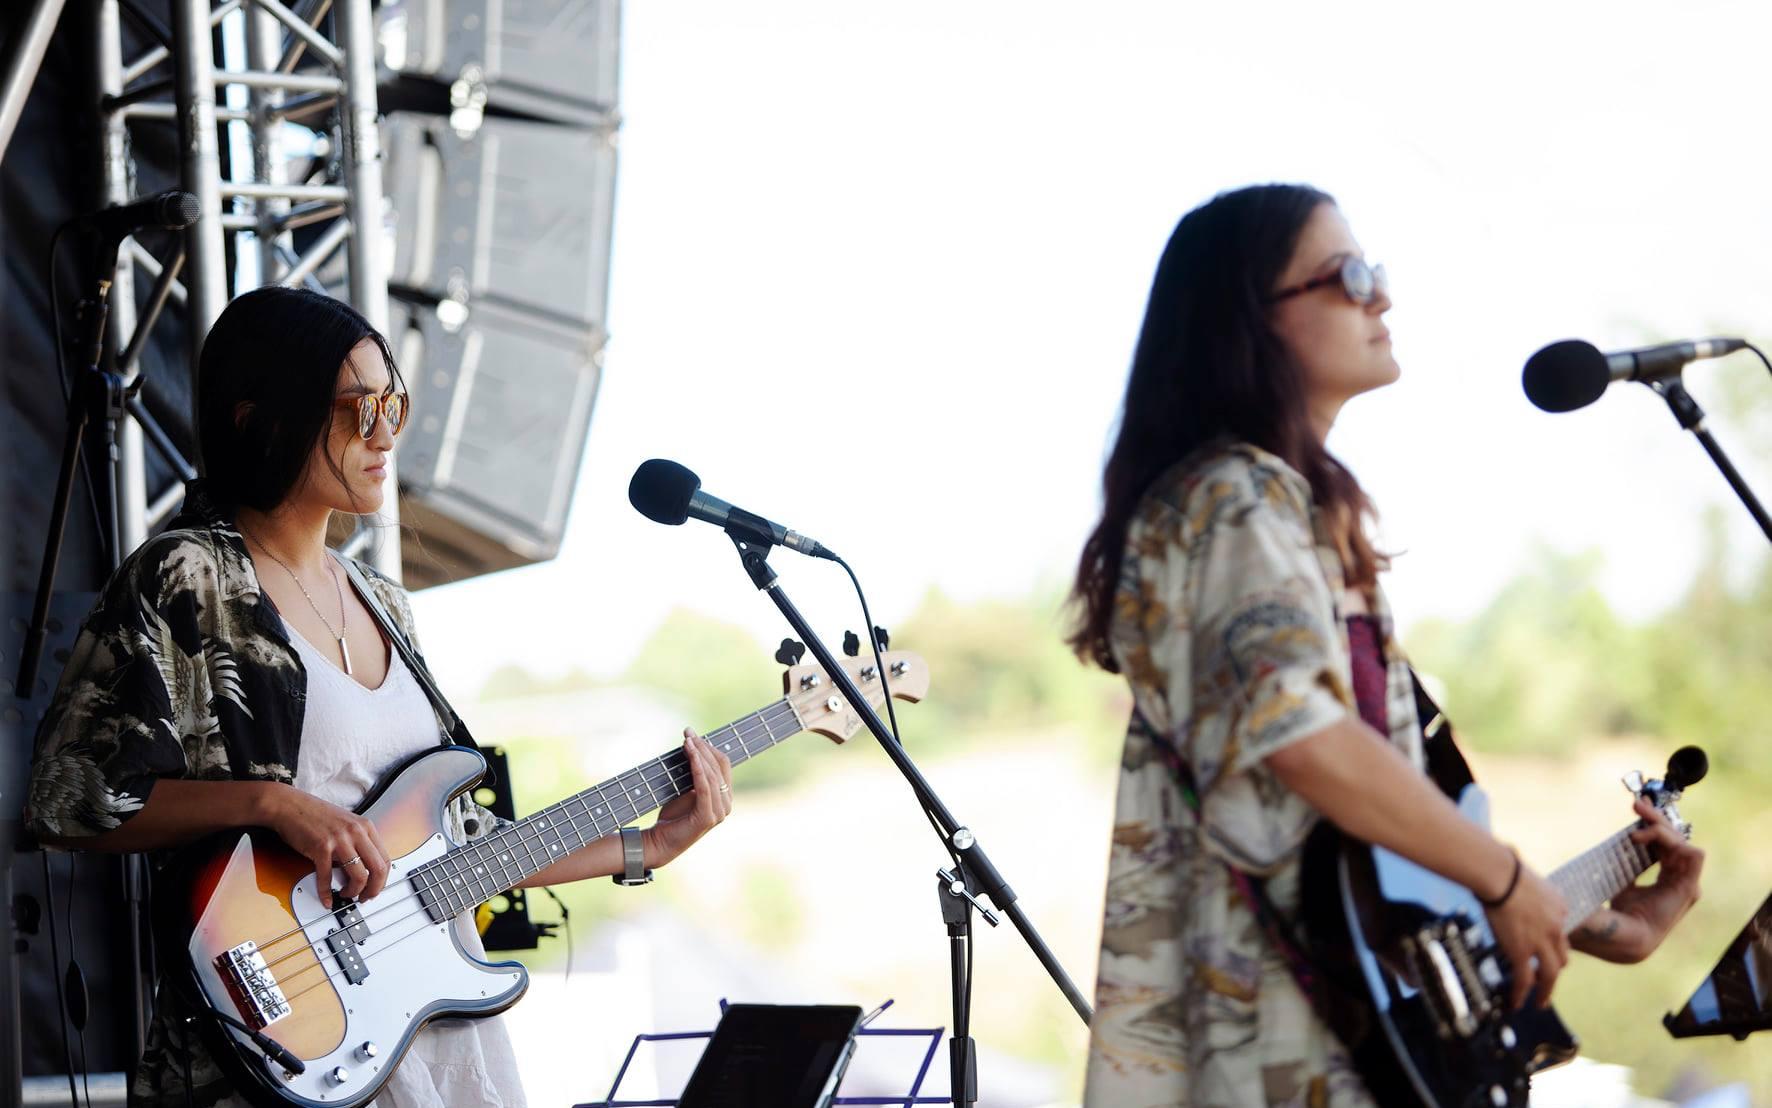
<point x="344" y="614"/>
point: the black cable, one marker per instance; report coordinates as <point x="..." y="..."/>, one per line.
<point x="971" y="943"/>
<point x="55" y="316"/>
<point x="73" y="961"/>
<point x="61" y="999"/>
<point x="886" y="691"/>
<point x="61" y="376"/>
<point x="1761" y="353"/>
<point x="874" y="641"/>
<point x="184" y="1049"/>
<point x="272" y="1049"/>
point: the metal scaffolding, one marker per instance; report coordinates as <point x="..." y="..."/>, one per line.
<point x="289" y="70"/>
<point x="310" y="62"/>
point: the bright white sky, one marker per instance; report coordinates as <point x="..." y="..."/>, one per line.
<point x="878" y="270"/>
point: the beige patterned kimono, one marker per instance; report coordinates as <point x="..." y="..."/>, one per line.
<point x="1228" y="626"/>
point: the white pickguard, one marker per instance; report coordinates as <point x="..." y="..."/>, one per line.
<point x="416" y="968"/>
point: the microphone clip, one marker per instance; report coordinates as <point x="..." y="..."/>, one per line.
<point x="754" y="556"/>
<point x="749" y="527"/>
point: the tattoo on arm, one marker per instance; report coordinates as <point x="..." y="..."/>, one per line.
<point x="1602" y="931"/>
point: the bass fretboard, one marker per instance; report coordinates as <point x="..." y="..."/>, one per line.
<point x="1595" y="876"/>
<point x="473" y="874"/>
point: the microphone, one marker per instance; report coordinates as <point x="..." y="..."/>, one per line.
<point x="1572" y="374"/>
<point x="666" y="492"/>
<point x="169" y="210"/>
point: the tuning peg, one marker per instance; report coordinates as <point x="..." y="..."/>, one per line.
<point x="881" y="637"/>
<point x="851" y="644"/>
<point x="790" y="652"/>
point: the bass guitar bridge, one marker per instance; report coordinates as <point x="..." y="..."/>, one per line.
<point x="252" y="985"/>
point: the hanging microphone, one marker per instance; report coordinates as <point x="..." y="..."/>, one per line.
<point x="1572" y="374"/>
<point x="666" y="492"/>
<point x="169" y="210"/>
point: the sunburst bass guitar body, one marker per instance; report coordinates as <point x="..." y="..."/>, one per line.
<point x="343" y="991"/>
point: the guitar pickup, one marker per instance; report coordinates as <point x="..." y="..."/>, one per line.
<point x="1448" y="980"/>
<point x="343" y="942"/>
<point x="350" y="920"/>
<point x="349" y="960"/>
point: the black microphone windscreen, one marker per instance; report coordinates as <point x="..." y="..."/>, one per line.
<point x="661" y="489"/>
<point x="177" y="209"/>
<point x="1686" y="767"/>
<point x="1566" y="375"/>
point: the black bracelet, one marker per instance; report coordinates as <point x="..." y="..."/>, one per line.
<point x="1512" y="883"/>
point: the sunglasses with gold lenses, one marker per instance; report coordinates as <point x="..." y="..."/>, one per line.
<point x="392" y="407"/>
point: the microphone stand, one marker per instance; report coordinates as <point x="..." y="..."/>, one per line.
<point x="105" y="398"/>
<point x="973" y="871"/>
<point x="1691" y="417"/>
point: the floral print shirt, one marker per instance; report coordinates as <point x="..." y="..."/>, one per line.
<point x="1228" y="627"/>
<point x="184" y="669"/>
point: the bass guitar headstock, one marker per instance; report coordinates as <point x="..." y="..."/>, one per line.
<point x="824" y="709"/>
<point x="1685" y="768"/>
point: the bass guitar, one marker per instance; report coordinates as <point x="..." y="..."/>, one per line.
<point x="1412" y="979"/>
<point x="309" y="1006"/>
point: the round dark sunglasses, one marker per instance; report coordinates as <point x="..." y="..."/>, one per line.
<point x="392" y="407"/>
<point x="1361" y="282"/>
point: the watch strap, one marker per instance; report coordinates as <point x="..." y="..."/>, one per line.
<point x="633" y="857"/>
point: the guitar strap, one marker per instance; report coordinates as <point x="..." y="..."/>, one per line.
<point x="457" y="730"/>
<point x="1445" y="762"/>
<point x="1253" y="889"/>
<point x="1445" y="765"/>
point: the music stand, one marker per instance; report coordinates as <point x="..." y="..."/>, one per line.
<point x="1736" y="999"/>
<point x="860" y="1029"/>
<point x="781" y="1055"/>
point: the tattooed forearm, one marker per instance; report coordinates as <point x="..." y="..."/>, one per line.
<point x="1601" y="932"/>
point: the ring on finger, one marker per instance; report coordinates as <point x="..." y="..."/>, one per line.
<point x="354" y="860"/>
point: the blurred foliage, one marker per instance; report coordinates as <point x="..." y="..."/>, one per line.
<point x="711" y="668"/>
<point x="995" y="666"/>
<point x="1001" y="665"/>
<point x="1548" y="662"/>
<point x="513" y="682"/>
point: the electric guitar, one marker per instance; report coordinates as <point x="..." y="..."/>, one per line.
<point x="308" y="1006"/>
<point x="1414" y="983"/>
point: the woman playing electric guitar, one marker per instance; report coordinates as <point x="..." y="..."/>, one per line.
<point x="237" y="673"/>
<point x="1232" y="581"/>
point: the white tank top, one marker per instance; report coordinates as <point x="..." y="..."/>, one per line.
<point x="350" y="737"/>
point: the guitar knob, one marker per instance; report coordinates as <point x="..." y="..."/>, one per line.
<point x="1508" y="1038"/>
<point x="1498" y="1096"/>
<point x="338" y="1076"/>
<point x="366" y="1052"/>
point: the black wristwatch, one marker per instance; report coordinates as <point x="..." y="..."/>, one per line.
<point x="633" y="856"/>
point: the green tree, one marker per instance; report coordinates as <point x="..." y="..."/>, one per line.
<point x="1546" y="663"/>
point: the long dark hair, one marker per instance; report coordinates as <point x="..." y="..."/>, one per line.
<point x="265" y="390"/>
<point x="1209" y="366"/>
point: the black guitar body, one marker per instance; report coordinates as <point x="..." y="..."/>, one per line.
<point x="1413" y="983"/>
